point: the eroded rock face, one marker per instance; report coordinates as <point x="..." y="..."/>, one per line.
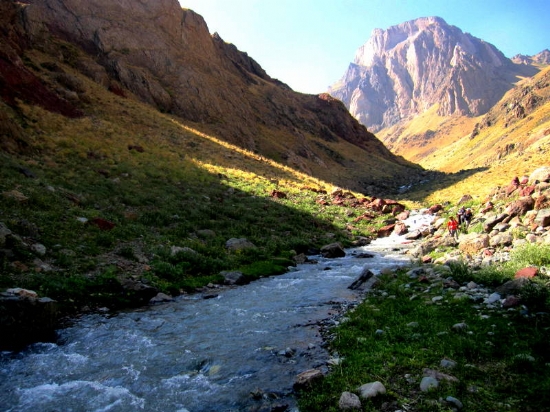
<point x="404" y="70"/>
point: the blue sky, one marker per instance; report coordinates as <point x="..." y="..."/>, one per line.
<point x="309" y="44"/>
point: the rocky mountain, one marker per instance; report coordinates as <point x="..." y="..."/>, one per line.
<point x="542" y="58"/>
<point x="424" y="64"/>
<point x="163" y="55"/>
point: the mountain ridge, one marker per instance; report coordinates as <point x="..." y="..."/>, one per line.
<point x="404" y="70"/>
<point x="165" y="56"/>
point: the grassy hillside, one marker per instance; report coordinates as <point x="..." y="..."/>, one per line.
<point x="111" y="193"/>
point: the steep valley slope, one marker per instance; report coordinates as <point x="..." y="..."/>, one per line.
<point x="164" y="56"/>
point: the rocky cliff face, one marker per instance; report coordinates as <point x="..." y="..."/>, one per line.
<point x="165" y="56"/>
<point x="408" y="68"/>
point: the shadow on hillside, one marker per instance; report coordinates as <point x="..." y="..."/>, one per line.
<point x="200" y="210"/>
<point x="436" y="180"/>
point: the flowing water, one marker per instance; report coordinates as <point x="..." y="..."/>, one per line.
<point x="238" y="351"/>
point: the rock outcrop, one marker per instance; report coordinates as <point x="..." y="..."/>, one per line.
<point x="407" y="69"/>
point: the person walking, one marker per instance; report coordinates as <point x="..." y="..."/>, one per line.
<point x="452" y="226"/>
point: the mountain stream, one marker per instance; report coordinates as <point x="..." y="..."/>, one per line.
<point x="238" y="351"/>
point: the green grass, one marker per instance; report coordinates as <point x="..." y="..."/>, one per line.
<point x="502" y="359"/>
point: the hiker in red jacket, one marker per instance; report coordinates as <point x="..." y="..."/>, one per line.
<point x="452" y="225"/>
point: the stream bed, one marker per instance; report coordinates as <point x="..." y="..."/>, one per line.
<point x="238" y="351"/>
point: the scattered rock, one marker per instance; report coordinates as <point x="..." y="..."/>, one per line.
<point x="454" y="402"/>
<point x="161" y="298"/>
<point x="428" y="383"/>
<point x="349" y="401"/>
<point x="307" y="378"/>
<point x="371" y="390"/>
<point x="235" y="244"/>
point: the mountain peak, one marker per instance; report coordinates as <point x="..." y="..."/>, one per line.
<point x="406" y="69"/>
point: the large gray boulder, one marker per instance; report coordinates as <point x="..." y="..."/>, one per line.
<point x="333" y="250"/>
<point x="26" y="318"/>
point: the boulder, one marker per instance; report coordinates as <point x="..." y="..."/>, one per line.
<point x="306" y="379"/>
<point x="473" y="243"/>
<point x="349" y="401"/>
<point x="361" y="280"/>
<point x="501" y="239"/>
<point x="235" y="244"/>
<point x="543" y="218"/>
<point x="432" y="244"/>
<point x="333" y="250"/>
<point x="435" y="208"/>
<point x="491" y="222"/>
<point x="400" y="229"/>
<point x="161" y="298"/>
<point x="520" y="206"/>
<point x="174" y="250"/>
<point x="542" y="174"/>
<point x="403" y="215"/>
<point x="137" y="292"/>
<point x="370" y="390"/>
<point x="464" y="199"/>
<point x="385" y="231"/>
<point x="26" y="318"/>
<point x="542" y="202"/>
<point x="234" y="278"/>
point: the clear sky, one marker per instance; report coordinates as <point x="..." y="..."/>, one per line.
<point x="309" y="44"/>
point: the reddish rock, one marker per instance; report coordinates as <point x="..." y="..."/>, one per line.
<point x="398" y="208"/>
<point x="403" y="215"/>
<point x="511" y="302"/>
<point x="364" y="216"/>
<point x="102" y="224"/>
<point x="528" y="272"/>
<point x="514" y="184"/>
<point x="277" y="194"/>
<point x="526" y="191"/>
<point x="435" y="208"/>
<point x="426" y="259"/>
<point x="400" y="229"/>
<point x="386" y="230"/>
<point x="520" y="207"/>
<point x="377" y="204"/>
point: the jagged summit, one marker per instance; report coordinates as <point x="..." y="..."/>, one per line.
<point x="542" y="58"/>
<point x="408" y="68"/>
